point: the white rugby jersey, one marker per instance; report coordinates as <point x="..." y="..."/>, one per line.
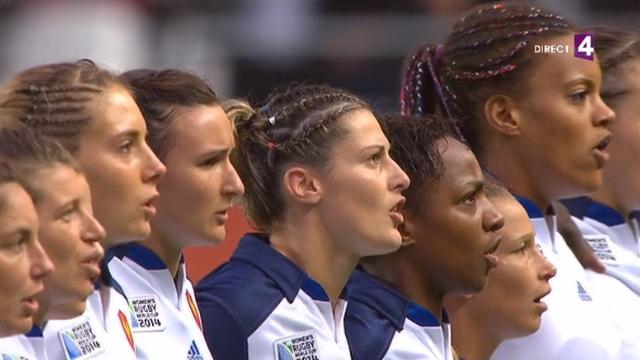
<point x="383" y="324"/>
<point x="29" y="346"/>
<point x="576" y="325"/>
<point x="614" y="239"/>
<point x="620" y="284"/>
<point x="102" y="332"/>
<point x="165" y="319"/>
<point x="261" y="305"/>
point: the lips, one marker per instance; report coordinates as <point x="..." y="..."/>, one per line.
<point x="539" y="303"/>
<point x="148" y="207"/>
<point x="489" y="256"/>
<point x="395" y="213"/>
<point x="599" y="151"/>
<point x="91" y="265"/>
<point x="30" y="304"/>
<point x="222" y="216"/>
<point x="545" y="293"/>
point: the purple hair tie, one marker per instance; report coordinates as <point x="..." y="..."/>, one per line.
<point x="438" y="53"/>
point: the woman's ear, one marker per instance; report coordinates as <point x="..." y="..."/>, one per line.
<point x="301" y="184"/>
<point x="502" y="115"/>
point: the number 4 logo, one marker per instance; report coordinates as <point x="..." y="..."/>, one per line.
<point x="584" y="45"/>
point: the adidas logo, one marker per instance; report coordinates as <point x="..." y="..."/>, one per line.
<point x="582" y="293"/>
<point x="194" y="352"/>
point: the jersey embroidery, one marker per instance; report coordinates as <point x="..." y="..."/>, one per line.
<point x="600" y="247"/>
<point x="126" y="328"/>
<point x="302" y="346"/>
<point x="582" y="293"/>
<point x="80" y="341"/>
<point x="194" y="309"/>
<point x="146" y="314"/>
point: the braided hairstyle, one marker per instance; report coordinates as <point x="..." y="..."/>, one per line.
<point x="30" y="154"/>
<point x="614" y="48"/>
<point x="487" y="52"/>
<point x="298" y="124"/>
<point x="159" y="94"/>
<point x="55" y="99"/>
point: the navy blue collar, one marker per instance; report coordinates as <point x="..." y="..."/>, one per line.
<point x="533" y="211"/>
<point x="424" y="317"/>
<point x="585" y="207"/>
<point x="366" y="289"/>
<point x="254" y="249"/>
<point x="139" y="254"/>
<point x="34" y="332"/>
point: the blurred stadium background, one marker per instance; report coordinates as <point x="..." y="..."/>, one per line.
<point x="246" y="47"/>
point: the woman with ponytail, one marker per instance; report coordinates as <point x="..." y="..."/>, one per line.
<point x="537" y="123"/>
<point x="322" y="192"/>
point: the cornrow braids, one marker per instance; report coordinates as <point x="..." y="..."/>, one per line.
<point x="297" y="124"/>
<point x="485" y="53"/>
<point x="30" y="153"/>
<point x="159" y="93"/>
<point x="615" y="47"/>
<point x="55" y="99"/>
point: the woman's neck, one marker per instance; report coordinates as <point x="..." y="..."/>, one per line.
<point x="605" y="197"/>
<point x="168" y="251"/>
<point x="516" y="177"/>
<point x="317" y="253"/>
<point x="400" y="273"/>
<point x="471" y="338"/>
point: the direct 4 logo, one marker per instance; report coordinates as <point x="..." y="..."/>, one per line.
<point x="584" y="45"/>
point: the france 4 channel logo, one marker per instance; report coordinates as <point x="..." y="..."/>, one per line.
<point x="583" y="47"/>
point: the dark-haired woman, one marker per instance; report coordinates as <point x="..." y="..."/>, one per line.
<point x="323" y="192"/>
<point x="536" y="122"/>
<point x="193" y="137"/>
<point x="450" y="234"/>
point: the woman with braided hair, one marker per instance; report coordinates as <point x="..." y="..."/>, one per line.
<point x="92" y="113"/>
<point x="538" y="124"/>
<point x="323" y="192"/>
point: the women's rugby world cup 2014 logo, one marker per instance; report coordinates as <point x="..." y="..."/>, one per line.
<point x="302" y="346"/>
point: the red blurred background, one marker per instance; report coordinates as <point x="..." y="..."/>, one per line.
<point x="202" y="259"/>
